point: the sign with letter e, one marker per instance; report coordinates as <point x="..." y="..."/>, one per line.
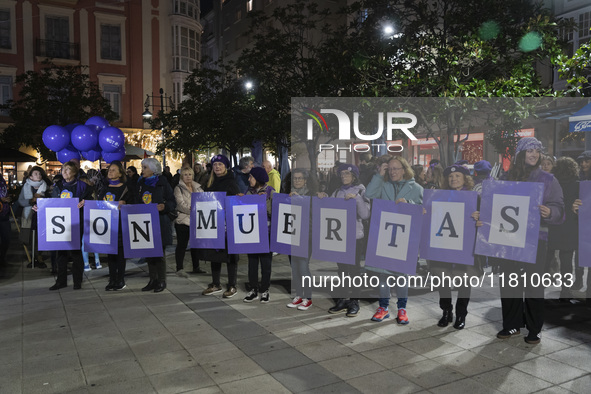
<point x="290" y="225"/>
<point x="584" y="224"/>
<point x="101" y="226"/>
<point x="140" y="224"/>
<point x="334" y="226"/>
<point x="393" y="243"/>
<point x="510" y="215"/>
<point x="58" y="223"/>
<point x="208" y="226"/>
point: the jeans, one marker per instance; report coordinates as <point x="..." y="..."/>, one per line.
<point x="401" y="291"/>
<point x="300" y="267"/>
<point x="85" y="255"/>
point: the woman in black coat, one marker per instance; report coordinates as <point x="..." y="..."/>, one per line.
<point x="221" y="180"/>
<point x="154" y="188"/>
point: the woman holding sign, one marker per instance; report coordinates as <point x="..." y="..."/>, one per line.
<point x="456" y="177"/>
<point x="116" y="191"/>
<point x="71" y="187"/>
<point x="258" y="185"/>
<point x="521" y="302"/>
<point x="153" y="188"/>
<point x="351" y="189"/>
<point x="394" y="182"/>
<point x="222" y="180"/>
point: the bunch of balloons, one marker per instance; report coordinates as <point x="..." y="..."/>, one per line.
<point x="92" y="140"/>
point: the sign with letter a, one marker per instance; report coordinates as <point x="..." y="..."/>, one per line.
<point x="449" y="230"/>
<point x="208" y="227"/>
<point x="334" y="224"/>
<point x="392" y="243"/>
<point x="140" y="224"/>
<point x="584" y="224"/>
<point x="510" y="215"/>
<point x="290" y="225"/>
<point x="58" y="223"/>
<point x="101" y="226"/>
<point x="246" y="218"/>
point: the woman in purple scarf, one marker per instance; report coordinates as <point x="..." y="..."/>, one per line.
<point x="525" y="304"/>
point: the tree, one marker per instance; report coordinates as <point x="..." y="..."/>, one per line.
<point x="55" y="95"/>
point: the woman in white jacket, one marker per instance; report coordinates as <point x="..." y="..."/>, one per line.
<point x="182" y="195"/>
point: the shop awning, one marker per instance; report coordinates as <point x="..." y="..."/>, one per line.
<point x="580" y="120"/>
<point x="135" y="153"/>
<point x="8" y="155"/>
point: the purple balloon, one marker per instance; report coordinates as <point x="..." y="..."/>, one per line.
<point x="72" y="126"/>
<point x="56" y="138"/>
<point x="111" y="139"/>
<point x="67" y="154"/>
<point x="92" y="155"/>
<point x="97" y="121"/>
<point x="84" y="138"/>
<point x="117" y="155"/>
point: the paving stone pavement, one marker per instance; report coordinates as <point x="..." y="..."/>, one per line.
<point x="178" y="341"/>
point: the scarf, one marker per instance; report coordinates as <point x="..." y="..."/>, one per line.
<point x="31" y="185"/>
<point x="114" y="182"/>
<point x="151" y="181"/>
<point x="80" y="186"/>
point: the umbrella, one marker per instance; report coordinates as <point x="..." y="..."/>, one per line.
<point x="8" y="155"/>
<point x="133" y="152"/>
<point x="581" y="120"/>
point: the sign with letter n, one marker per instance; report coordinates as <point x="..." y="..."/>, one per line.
<point x="208" y="226"/>
<point x="334" y="224"/>
<point x="510" y="215"/>
<point x="246" y="218"/>
<point x="140" y="224"/>
<point x="58" y="224"/>
<point x="449" y="230"/>
<point x="101" y="226"/>
<point x="290" y="225"/>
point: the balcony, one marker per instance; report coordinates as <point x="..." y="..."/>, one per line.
<point x="57" y="49"/>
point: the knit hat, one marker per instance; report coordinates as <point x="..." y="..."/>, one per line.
<point x="455" y="168"/>
<point x="482" y="167"/>
<point x="462" y="162"/>
<point x="528" y="143"/>
<point x="585" y="155"/>
<point x="221" y="158"/>
<point x="260" y="175"/>
<point x="349" y="167"/>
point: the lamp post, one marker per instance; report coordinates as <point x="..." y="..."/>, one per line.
<point x="166" y="104"/>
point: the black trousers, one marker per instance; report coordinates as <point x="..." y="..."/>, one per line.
<point x="352" y="271"/>
<point x="62" y="266"/>
<point x="157" y="266"/>
<point x="4" y="239"/>
<point x="182" y="240"/>
<point x="117" y="264"/>
<point x="461" y="303"/>
<point x="265" y="260"/>
<point x="523" y="304"/>
<point x="216" y="271"/>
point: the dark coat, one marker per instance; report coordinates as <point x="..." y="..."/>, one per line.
<point x="241" y="179"/>
<point x="565" y="236"/>
<point x="225" y="183"/>
<point x="161" y="193"/>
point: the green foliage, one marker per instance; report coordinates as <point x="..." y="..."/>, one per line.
<point x="577" y="71"/>
<point x="55" y="95"/>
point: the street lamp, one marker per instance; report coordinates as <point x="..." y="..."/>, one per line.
<point x="166" y="104"/>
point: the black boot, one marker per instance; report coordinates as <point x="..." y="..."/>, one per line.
<point x="447" y="318"/>
<point x="160" y="286"/>
<point x="341" y="306"/>
<point x="353" y="308"/>
<point x="110" y="286"/>
<point x="151" y="285"/>
<point x="460" y="322"/>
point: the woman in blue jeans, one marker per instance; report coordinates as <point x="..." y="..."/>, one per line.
<point x="394" y="182"/>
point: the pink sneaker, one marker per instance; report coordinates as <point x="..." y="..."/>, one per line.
<point x="295" y="302"/>
<point x="305" y="304"/>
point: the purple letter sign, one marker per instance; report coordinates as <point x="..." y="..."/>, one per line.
<point x="334" y="224"/>
<point x="246" y="218"/>
<point x="584" y="222"/>
<point x="449" y="231"/>
<point x="58" y="224"/>
<point x="392" y="243"/>
<point x="290" y="225"/>
<point x="101" y="226"/>
<point x="511" y="220"/>
<point x="208" y="230"/>
<point x="140" y="224"/>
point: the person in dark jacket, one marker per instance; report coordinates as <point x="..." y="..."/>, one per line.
<point x="154" y="188"/>
<point x="525" y="304"/>
<point x="222" y="180"/>
<point x="71" y="187"/>
<point x="116" y="190"/>
<point x="5" y="201"/>
<point x="201" y="176"/>
<point x="242" y="173"/>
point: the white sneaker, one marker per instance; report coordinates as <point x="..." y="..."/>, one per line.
<point x="295" y="302"/>
<point x="87" y="268"/>
<point x="307" y="303"/>
<point x="99" y="266"/>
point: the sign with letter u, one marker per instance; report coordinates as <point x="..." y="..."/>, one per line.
<point x="246" y="218"/>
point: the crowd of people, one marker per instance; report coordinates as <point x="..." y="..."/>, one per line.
<point x="388" y="177"/>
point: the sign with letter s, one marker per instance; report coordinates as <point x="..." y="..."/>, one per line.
<point x="58" y="223"/>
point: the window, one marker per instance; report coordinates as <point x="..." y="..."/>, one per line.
<point x="249" y="6"/>
<point x="5" y="92"/>
<point x="111" y="42"/>
<point x="177" y="91"/>
<point x="57" y="36"/>
<point x="185" y="48"/>
<point x="584" y="25"/>
<point x="113" y="94"/>
<point x="189" y="8"/>
<point x="5" y="41"/>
